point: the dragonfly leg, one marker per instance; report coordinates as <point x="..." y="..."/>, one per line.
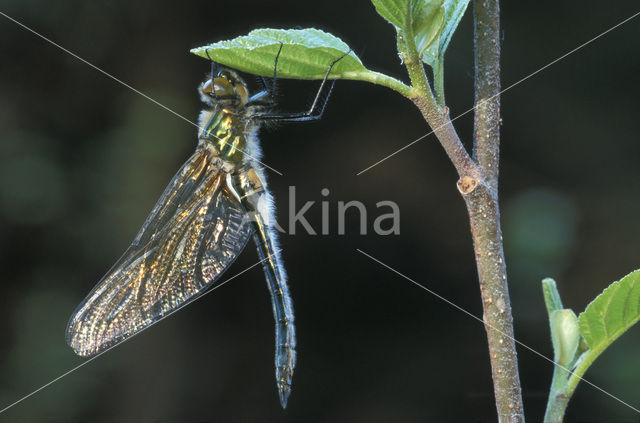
<point x="274" y="81"/>
<point x="267" y="97"/>
<point x="318" y="106"/>
<point x="214" y="72"/>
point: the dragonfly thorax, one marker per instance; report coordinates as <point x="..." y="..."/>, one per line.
<point x="221" y="128"/>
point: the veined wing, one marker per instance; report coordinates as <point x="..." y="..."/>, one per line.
<point x="195" y="231"/>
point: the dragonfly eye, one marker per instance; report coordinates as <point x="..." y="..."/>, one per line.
<point x="220" y="88"/>
<point x="226" y="86"/>
<point x="206" y="87"/>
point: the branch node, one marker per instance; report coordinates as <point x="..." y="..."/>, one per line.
<point x="467" y="184"/>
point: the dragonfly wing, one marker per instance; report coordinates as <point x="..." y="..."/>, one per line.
<point x="192" y="235"/>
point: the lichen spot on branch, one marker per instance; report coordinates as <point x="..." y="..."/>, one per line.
<point x="467" y="184"/>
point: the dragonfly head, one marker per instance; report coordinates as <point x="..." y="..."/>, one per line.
<point x="225" y="88"/>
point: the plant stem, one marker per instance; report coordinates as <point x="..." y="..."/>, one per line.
<point x="414" y="66"/>
<point x="379" y="79"/>
<point x="479" y="188"/>
<point x="487" y="87"/>
<point x="438" y="120"/>
<point x="437" y="117"/>
<point x="558" y="398"/>
<point x="484" y="213"/>
<point x="438" y="81"/>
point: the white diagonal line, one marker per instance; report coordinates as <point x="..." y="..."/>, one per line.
<point x="126" y="85"/>
<point x="131" y="337"/>
<point x="506" y="89"/>
<point x="494" y="328"/>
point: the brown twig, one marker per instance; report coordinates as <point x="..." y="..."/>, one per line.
<point x="484" y="213"/>
<point x="478" y="185"/>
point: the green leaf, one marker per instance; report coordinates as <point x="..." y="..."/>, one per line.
<point x="306" y="53"/>
<point x="424" y="17"/>
<point x="604" y="320"/>
<point x="395" y="12"/>
<point x="611" y="313"/>
<point x="428" y="19"/>
<point x="454" y="11"/>
<point x="565" y="335"/>
<point x="551" y="296"/>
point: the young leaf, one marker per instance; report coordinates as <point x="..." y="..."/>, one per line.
<point x="454" y="10"/>
<point x="607" y="317"/>
<point x="306" y="54"/>
<point x="565" y="335"/>
<point x="551" y="296"/>
<point x="394" y="11"/>
<point x="611" y="313"/>
<point x="424" y="17"/>
<point x="428" y="18"/>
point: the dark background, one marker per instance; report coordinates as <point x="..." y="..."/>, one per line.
<point x="83" y="159"/>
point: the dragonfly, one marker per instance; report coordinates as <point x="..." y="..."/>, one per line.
<point x="204" y="219"/>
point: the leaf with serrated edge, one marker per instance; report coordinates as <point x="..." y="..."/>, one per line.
<point x="611" y="313"/>
<point x="427" y="24"/>
<point x="394" y="11"/>
<point x="306" y="53"/>
<point x="454" y="11"/>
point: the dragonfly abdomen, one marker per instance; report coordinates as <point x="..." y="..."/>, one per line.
<point x="255" y="199"/>
<point x="285" y="357"/>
